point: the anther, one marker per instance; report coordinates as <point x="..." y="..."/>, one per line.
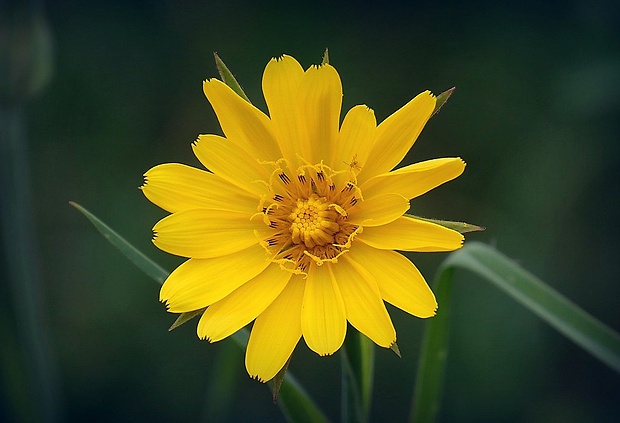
<point x="284" y="177"/>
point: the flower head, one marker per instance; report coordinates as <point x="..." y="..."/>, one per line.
<point x="295" y="222"/>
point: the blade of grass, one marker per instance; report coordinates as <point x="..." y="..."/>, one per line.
<point x="551" y="306"/>
<point x="148" y="266"/>
<point x="548" y="304"/>
<point x="295" y="403"/>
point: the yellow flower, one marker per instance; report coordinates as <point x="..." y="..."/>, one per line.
<point x="294" y="224"/>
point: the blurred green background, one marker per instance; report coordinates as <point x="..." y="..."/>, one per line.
<point x="535" y="115"/>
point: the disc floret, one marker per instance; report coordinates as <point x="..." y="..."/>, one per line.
<point x="308" y="214"/>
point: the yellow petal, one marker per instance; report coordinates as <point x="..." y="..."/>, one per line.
<point x="242" y="123"/>
<point x="206" y="233"/>
<point x="232" y="163"/>
<point x="241" y="306"/>
<point x="275" y="333"/>
<point x="323" y="316"/>
<point x="363" y="302"/>
<point x="198" y="283"/>
<point x="378" y="210"/>
<point x="399" y="281"/>
<point x="320" y="96"/>
<point x="354" y="139"/>
<point x="175" y="187"/>
<point x="395" y="135"/>
<point x="281" y="81"/>
<point x="408" y="234"/>
<point x="416" y="179"/>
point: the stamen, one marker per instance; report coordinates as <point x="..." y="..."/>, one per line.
<point x="313" y="186"/>
<point x="284" y="177"/>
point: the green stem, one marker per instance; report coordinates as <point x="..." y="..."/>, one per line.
<point x="552" y="307"/>
<point x="433" y="355"/>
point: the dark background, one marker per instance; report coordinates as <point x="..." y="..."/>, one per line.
<point x="535" y="116"/>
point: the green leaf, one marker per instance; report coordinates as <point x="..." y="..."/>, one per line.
<point x="185" y="317"/>
<point x="548" y="304"/>
<point x="460" y="227"/>
<point x="434" y="351"/>
<point x="228" y="78"/>
<point x="551" y="306"/>
<point x="442" y="99"/>
<point x="134" y="255"/>
<point x="295" y="403"/>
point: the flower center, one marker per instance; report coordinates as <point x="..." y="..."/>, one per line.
<point x="307" y="216"/>
<point x="312" y="222"/>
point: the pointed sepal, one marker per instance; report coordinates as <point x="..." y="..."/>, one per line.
<point x="394" y="347"/>
<point x="185" y="317"/>
<point x="442" y="99"/>
<point x="325" y="57"/>
<point x="228" y="78"/>
<point x="460" y="227"/>
<point x="278" y="380"/>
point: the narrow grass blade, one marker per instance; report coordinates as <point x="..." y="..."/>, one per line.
<point x="433" y="355"/>
<point x="565" y="316"/>
<point x="555" y="309"/>
<point x="296" y="405"/>
<point x="134" y="255"/>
